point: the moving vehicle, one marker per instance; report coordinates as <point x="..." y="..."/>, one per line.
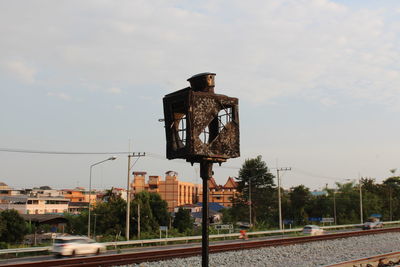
<point x="76" y="245"/>
<point x="313" y="230"/>
<point x="372" y="223"/>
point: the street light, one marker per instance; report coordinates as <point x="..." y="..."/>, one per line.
<point x="90" y="188"/>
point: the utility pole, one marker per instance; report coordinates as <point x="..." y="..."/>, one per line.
<point x="390" y="203"/>
<point x="334" y="205"/>
<point x="138" y="225"/>
<point x="128" y="193"/>
<point x="361" y="204"/>
<point x="279" y="193"/>
<point x="250" y="221"/>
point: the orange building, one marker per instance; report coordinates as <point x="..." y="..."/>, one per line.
<point x="75" y="195"/>
<point x="221" y="194"/>
<point x="175" y="192"/>
<point x="178" y="193"/>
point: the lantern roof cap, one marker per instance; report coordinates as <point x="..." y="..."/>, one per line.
<point x="201" y="74"/>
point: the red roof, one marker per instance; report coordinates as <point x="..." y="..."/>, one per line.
<point x="230" y="183"/>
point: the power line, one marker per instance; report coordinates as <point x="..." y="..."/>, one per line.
<point x="306" y="173"/>
<point x="151" y="155"/>
<point x="27" y="151"/>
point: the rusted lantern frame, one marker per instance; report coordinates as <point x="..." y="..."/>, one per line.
<point x="192" y="112"/>
<point x="190" y="115"/>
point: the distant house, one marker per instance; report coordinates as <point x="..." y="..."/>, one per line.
<point x="191" y="207"/>
<point x="172" y="190"/>
<point x="5" y="190"/>
<point x="77" y="207"/>
<point x="221" y="194"/>
<point x="34" y="205"/>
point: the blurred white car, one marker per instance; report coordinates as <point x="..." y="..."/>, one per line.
<point x="313" y="230"/>
<point x="76" y="245"/>
<point x="372" y="223"/>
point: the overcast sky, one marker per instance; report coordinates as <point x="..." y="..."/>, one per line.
<point x="318" y="83"/>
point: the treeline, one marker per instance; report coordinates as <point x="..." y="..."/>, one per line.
<point x="108" y="218"/>
<point x="12" y="228"/>
<point x="257" y="189"/>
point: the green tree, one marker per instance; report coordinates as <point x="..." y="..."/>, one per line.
<point x="299" y="199"/>
<point x="148" y="222"/>
<point x="347" y="203"/>
<point x="77" y="223"/>
<point x="183" y="221"/>
<point x="109" y="217"/>
<point x="159" y="208"/>
<point x="256" y="180"/>
<point x="15" y="226"/>
<point x="390" y="193"/>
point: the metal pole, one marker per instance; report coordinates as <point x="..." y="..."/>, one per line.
<point x="361" y="206"/>
<point x="205" y="173"/>
<point x="94" y="227"/>
<point x="279" y="200"/>
<point x="128" y="194"/>
<point x="90" y="188"/>
<point x="90" y="199"/>
<point x="128" y="199"/>
<point x="334" y="205"/>
<point x="390" y="203"/>
<point x="250" y="200"/>
<point x="138" y="225"/>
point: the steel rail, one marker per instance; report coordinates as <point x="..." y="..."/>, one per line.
<point x="388" y="259"/>
<point x="137" y="257"/>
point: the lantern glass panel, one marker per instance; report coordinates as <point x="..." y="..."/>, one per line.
<point x="180" y="125"/>
<point x="182" y="129"/>
<point x="224" y="117"/>
<point x="205" y="135"/>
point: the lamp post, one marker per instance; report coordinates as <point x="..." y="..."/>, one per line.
<point x="90" y="188"/>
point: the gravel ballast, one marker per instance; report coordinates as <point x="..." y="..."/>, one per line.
<point x="317" y="253"/>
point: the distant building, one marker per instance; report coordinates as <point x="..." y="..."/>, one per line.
<point x="120" y="192"/>
<point x="191" y="207"/>
<point x="46" y="192"/>
<point x="77" y="207"/>
<point x="35" y="205"/>
<point x="178" y="193"/>
<point x="5" y="190"/>
<point x="75" y="195"/>
<point x="221" y="194"/>
<point x="173" y="191"/>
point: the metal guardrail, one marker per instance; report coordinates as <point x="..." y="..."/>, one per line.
<point x="23" y="250"/>
<point x="187" y="238"/>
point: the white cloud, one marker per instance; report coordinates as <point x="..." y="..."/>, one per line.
<point x="260" y="51"/>
<point x="327" y="102"/>
<point x="20" y="70"/>
<point x="59" y="95"/>
<point x="119" y="107"/>
<point x="114" y="90"/>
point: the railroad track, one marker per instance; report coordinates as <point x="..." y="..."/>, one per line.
<point x="383" y="260"/>
<point x="137" y="257"/>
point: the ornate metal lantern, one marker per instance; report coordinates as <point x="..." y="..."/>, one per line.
<point x="203" y="127"/>
<point x="200" y="124"/>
